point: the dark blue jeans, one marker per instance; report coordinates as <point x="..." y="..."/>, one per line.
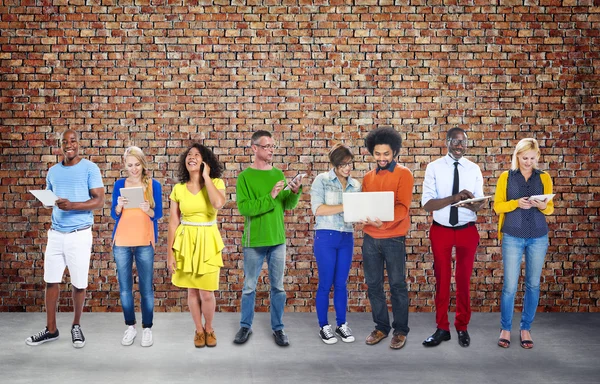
<point x="391" y="255"/>
<point x="333" y="252"/>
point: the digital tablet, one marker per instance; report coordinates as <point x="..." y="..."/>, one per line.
<point x="542" y="197"/>
<point x="374" y="205"/>
<point x="46" y="196"/>
<point x="134" y="196"/>
<point x="462" y="202"/>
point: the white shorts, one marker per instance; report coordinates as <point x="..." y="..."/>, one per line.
<point x="72" y="250"/>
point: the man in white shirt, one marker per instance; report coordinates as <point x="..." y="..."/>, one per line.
<point x="453" y="227"/>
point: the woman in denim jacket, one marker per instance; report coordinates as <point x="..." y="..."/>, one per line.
<point x="334" y="241"/>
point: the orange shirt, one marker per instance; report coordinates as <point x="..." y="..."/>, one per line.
<point x="135" y="229"/>
<point x="400" y="181"/>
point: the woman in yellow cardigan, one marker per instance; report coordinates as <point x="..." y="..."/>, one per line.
<point x="522" y="228"/>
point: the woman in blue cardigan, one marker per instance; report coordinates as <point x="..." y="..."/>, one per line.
<point x="134" y="237"/>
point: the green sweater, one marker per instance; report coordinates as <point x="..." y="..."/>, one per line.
<point x="263" y="215"/>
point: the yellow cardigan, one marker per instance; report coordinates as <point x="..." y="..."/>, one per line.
<point x="501" y="206"/>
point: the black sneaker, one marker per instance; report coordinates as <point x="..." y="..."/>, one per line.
<point x="42" y="337"/>
<point x="281" y="338"/>
<point x="345" y="333"/>
<point x="77" y="336"/>
<point x="326" y="334"/>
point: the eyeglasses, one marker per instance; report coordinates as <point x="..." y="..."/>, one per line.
<point x="455" y="142"/>
<point x="267" y="147"/>
<point x="346" y="165"/>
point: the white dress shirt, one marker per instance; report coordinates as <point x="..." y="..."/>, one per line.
<point x="439" y="177"/>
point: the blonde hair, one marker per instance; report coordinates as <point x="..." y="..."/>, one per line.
<point x="525" y="145"/>
<point x="146" y="178"/>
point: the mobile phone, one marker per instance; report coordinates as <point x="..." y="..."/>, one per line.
<point x="296" y="178"/>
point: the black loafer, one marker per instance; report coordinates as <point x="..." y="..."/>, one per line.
<point x="464" y="340"/>
<point x="242" y="335"/>
<point x="436" y="339"/>
<point x="281" y="338"/>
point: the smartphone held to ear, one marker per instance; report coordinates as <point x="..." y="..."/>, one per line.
<point x="296" y="179"/>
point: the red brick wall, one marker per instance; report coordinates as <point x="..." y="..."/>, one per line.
<point x="161" y="73"/>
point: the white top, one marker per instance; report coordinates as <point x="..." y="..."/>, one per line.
<point x="439" y="177"/>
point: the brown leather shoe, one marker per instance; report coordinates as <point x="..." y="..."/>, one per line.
<point x="211" y="339"/>
<point x="398" y="341"/>
<point x="375" y="337"/>
<point x="199" y="339"/>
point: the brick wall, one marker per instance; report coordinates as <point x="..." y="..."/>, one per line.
<point x="159" y="74"/>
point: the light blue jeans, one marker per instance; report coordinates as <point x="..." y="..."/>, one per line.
<point x="144" y="262"/>
<point x="253" y="262"/>
<point x="512" y="253"/>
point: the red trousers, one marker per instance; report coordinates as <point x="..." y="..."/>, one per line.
<point x="465" y="241"/>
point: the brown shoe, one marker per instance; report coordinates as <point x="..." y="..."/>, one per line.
<point x="199" y="339"/>
<point x="375" y="337"/>
<point x="211" y="339"/>
<point x="398" y="341"/>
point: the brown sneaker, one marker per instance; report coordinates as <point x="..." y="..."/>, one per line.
<point x="211" y="339"/>
<point x="398" y="341"/>
<point x="199" y="339"/>
<point x="375" y="337"/>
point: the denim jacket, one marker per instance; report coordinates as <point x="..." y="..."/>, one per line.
<point x="327" y="189"/>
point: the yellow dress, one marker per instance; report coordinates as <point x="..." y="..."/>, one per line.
<point x="197" y="248"/>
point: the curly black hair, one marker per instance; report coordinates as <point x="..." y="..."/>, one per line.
<point x="385" y="134"/>
<point x="216" y="168"/>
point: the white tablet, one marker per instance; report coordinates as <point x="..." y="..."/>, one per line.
<point x="542" y="197"/>
<point x="46" y="196"/>
<point x="474" y="200"/>
<point x="134" y="196"/>
<point x="375" y="205"/>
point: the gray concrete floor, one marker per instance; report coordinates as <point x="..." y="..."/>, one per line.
<point x="567" y="350"/>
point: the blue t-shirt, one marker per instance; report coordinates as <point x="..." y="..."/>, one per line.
<point x="73" y="183"/>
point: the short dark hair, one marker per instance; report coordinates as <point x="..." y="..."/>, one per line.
<point x="62" y="135"/>
<point x="385" y="134"/>
<point x="453" y="131"/>
<point x="258" y="134"/>
<point x="216" y="168"/>
<point x="338" y="153"/>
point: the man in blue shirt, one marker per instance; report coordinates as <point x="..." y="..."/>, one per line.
<point x="78" y="185"/>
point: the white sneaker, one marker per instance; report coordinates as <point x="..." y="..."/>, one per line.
<point x="147" y="337"/>
<point x="345" y="333"/>
<point x="129" y="335"/>
<point x="326" y="334"/>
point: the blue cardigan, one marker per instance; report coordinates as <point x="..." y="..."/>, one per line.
<point x="156" y="193"/>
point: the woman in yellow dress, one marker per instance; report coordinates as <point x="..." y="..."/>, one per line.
<point x="195" y="244"/>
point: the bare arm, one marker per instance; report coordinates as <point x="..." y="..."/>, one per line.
<point x="174" y="221"/>
<point x="327" y="210"/>
<point x="96" y="202"/>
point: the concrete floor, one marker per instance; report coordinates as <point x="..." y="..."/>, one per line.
<point x="567" y="350"/>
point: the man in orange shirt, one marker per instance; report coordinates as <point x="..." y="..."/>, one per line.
<point x="384" y="243"/>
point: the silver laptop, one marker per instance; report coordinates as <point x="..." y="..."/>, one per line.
<point x="375" y="205"/>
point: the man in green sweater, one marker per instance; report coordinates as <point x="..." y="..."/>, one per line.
<point x="262" y="198"/>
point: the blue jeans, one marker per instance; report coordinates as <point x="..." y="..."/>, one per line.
<point x="253" y="261"/>
<point x="333" y="251"/>
<point x="512" y="252"/>
<point x="391" y="254"/>
<point x="144" y="261"/>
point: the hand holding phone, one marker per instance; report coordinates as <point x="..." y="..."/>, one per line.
<point x="295" y="181"/>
